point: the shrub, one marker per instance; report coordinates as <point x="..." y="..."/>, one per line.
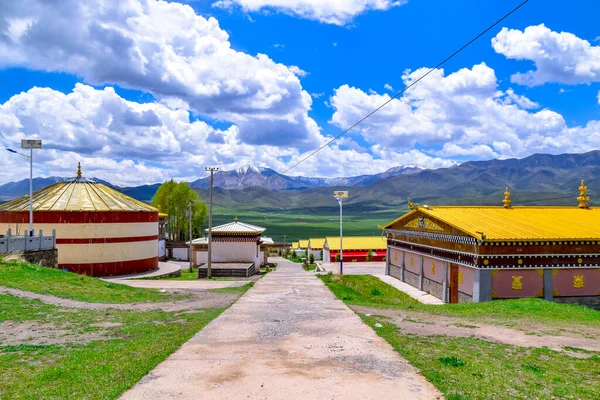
<point x="312" y="259"/>
<point x="369" y="255"/>
<point x="452" y="361"/>
<point x="337" y="257"/>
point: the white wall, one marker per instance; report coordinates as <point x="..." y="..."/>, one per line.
<point x="235" y="252"/>
<point x="201" y="257"/>
<point x="181" y="253"/>
<point x="326" y="255"/>
<point x="162" y="248"/>
<point x="316" y="254"/>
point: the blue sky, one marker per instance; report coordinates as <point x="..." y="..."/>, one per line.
<point x="140" y="91"/>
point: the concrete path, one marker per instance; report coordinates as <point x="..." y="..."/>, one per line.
<point x="412" y="291"/>
<point x="286" y="338"/>
<point x="165" y="269"/>
<point x="176" y="284"/>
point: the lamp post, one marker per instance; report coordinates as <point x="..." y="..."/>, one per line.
<point x="29" y="144"/>
<point x="339" y="196"/>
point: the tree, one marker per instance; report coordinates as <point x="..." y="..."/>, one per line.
<point x="369" y="255"/>
<point x="174" y="199"/>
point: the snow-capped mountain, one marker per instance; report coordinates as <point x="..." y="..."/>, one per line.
<point x="250" y="175"/>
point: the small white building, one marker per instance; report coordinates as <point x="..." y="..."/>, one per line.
<point x="235" y="242"/>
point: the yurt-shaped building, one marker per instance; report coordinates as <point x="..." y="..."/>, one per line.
<point x="99" y="231"/>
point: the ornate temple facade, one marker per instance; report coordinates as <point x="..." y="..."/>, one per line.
<point x="472" y="254"/>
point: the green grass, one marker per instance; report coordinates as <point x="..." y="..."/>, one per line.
<point x="102" y="369"/>
<point x="359" y="289"/>
<point x="234" y="289"/>
<point x="306" y="223"/>
<point x="33" y="278"/>
<point x="467" y="368"/>
<point x="310" y="267"/>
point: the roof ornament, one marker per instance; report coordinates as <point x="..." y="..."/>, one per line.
<point x="507" y="201"/>
<point x="235" y="219"/>
<point x="583" y="198"/>
<point x="411" y="205"/>
<point x="79" y="170"/>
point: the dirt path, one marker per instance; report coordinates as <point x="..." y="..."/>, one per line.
<point x="287" y="338"/>
<point x="526" y="336"/>
<point x="199" y="299"/>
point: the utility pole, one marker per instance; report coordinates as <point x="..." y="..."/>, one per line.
<point x="339" y="197"/>
<point x="190" y="214"/>
<point x="209" y="262"/>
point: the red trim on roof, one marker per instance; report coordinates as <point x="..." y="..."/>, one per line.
<point x="78" y="217"/>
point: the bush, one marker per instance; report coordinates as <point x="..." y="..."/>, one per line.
<point x="369" y="255"/>
<point x="452" y="361"/>
<point x="312" y="259"/>
<point x="294" y="254"/>
<point x="337" y="257"/>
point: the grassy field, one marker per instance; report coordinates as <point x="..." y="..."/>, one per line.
<point x="468" y="367"/>
<point x="53" y="352"/>
<point x="103" y="353"/>
<point x="303" y="224"/>
<point x="369" y="291"/>
<point x="33" y="278"/>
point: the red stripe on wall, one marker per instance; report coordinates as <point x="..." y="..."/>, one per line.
<point x="113" y="268"/>
<point x="78" y="217"/>
<point x="107" y="240"/>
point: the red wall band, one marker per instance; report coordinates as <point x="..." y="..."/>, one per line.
<point x="78" y="217"/>
<point x="107" y="240"/>
<point x="113" y="268"/>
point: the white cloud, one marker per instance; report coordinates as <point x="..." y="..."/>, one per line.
<point x="297" y="71"/>
<point x="337" y="12"/>
<point x="462" y="114"/>
<point x="130" y="143"/>
<point x="389" y="87"/>
<point x="598" y="97"/>
<point x="317" y="95"/>
<point x="558" y="57"/>
<point x="162" y="48"/>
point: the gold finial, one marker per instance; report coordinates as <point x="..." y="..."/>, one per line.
<point x="411" y="205"/>
<point x="235" y="219"/>
<point x="79" y="170"/>
<point x="583" y="197"/>
<point x="507" y="199"/>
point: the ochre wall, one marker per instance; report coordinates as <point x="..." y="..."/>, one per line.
<point x="508" y="284"/>
<point x="576" y="282"/>
<point x="433" y="269"/>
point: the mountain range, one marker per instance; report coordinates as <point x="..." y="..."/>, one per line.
<point x="537" y="179"/>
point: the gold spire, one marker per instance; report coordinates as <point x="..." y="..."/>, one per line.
<point x="583" y="197"/>
<point x="235" y="219"/>
<point x="507" y="201"/>
<point x="79" y="170"/>
<point x="411" y="205"/>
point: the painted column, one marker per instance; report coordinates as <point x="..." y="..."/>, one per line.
<point x="421" y="274"/>
<point x="482" y="285"/>
<point x="548" y="284"/>
<point x="387" y="260"/>
<point x="402" y="267"/>
<point x="445" y="283"/>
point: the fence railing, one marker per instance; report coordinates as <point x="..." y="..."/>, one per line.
<point x="21" y="243"/>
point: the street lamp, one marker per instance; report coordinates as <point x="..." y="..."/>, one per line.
<point x="29" y="144"/>
<point x="339" y="196"/>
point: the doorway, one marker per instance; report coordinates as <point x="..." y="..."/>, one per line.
<point x="453" y="284"/>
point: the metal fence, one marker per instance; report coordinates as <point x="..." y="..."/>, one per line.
<point x="21" y="243"/>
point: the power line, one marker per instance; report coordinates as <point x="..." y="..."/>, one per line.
<point x="408" y="87"/>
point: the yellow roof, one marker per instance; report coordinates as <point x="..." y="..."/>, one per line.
<point x="357" y="242"/>
<point x="515" y="223"/>
<point x="303" y="244"/>
<point x="77" y="194"/>
<point x="295" y="245"/>
<point x="316" y="243"/>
